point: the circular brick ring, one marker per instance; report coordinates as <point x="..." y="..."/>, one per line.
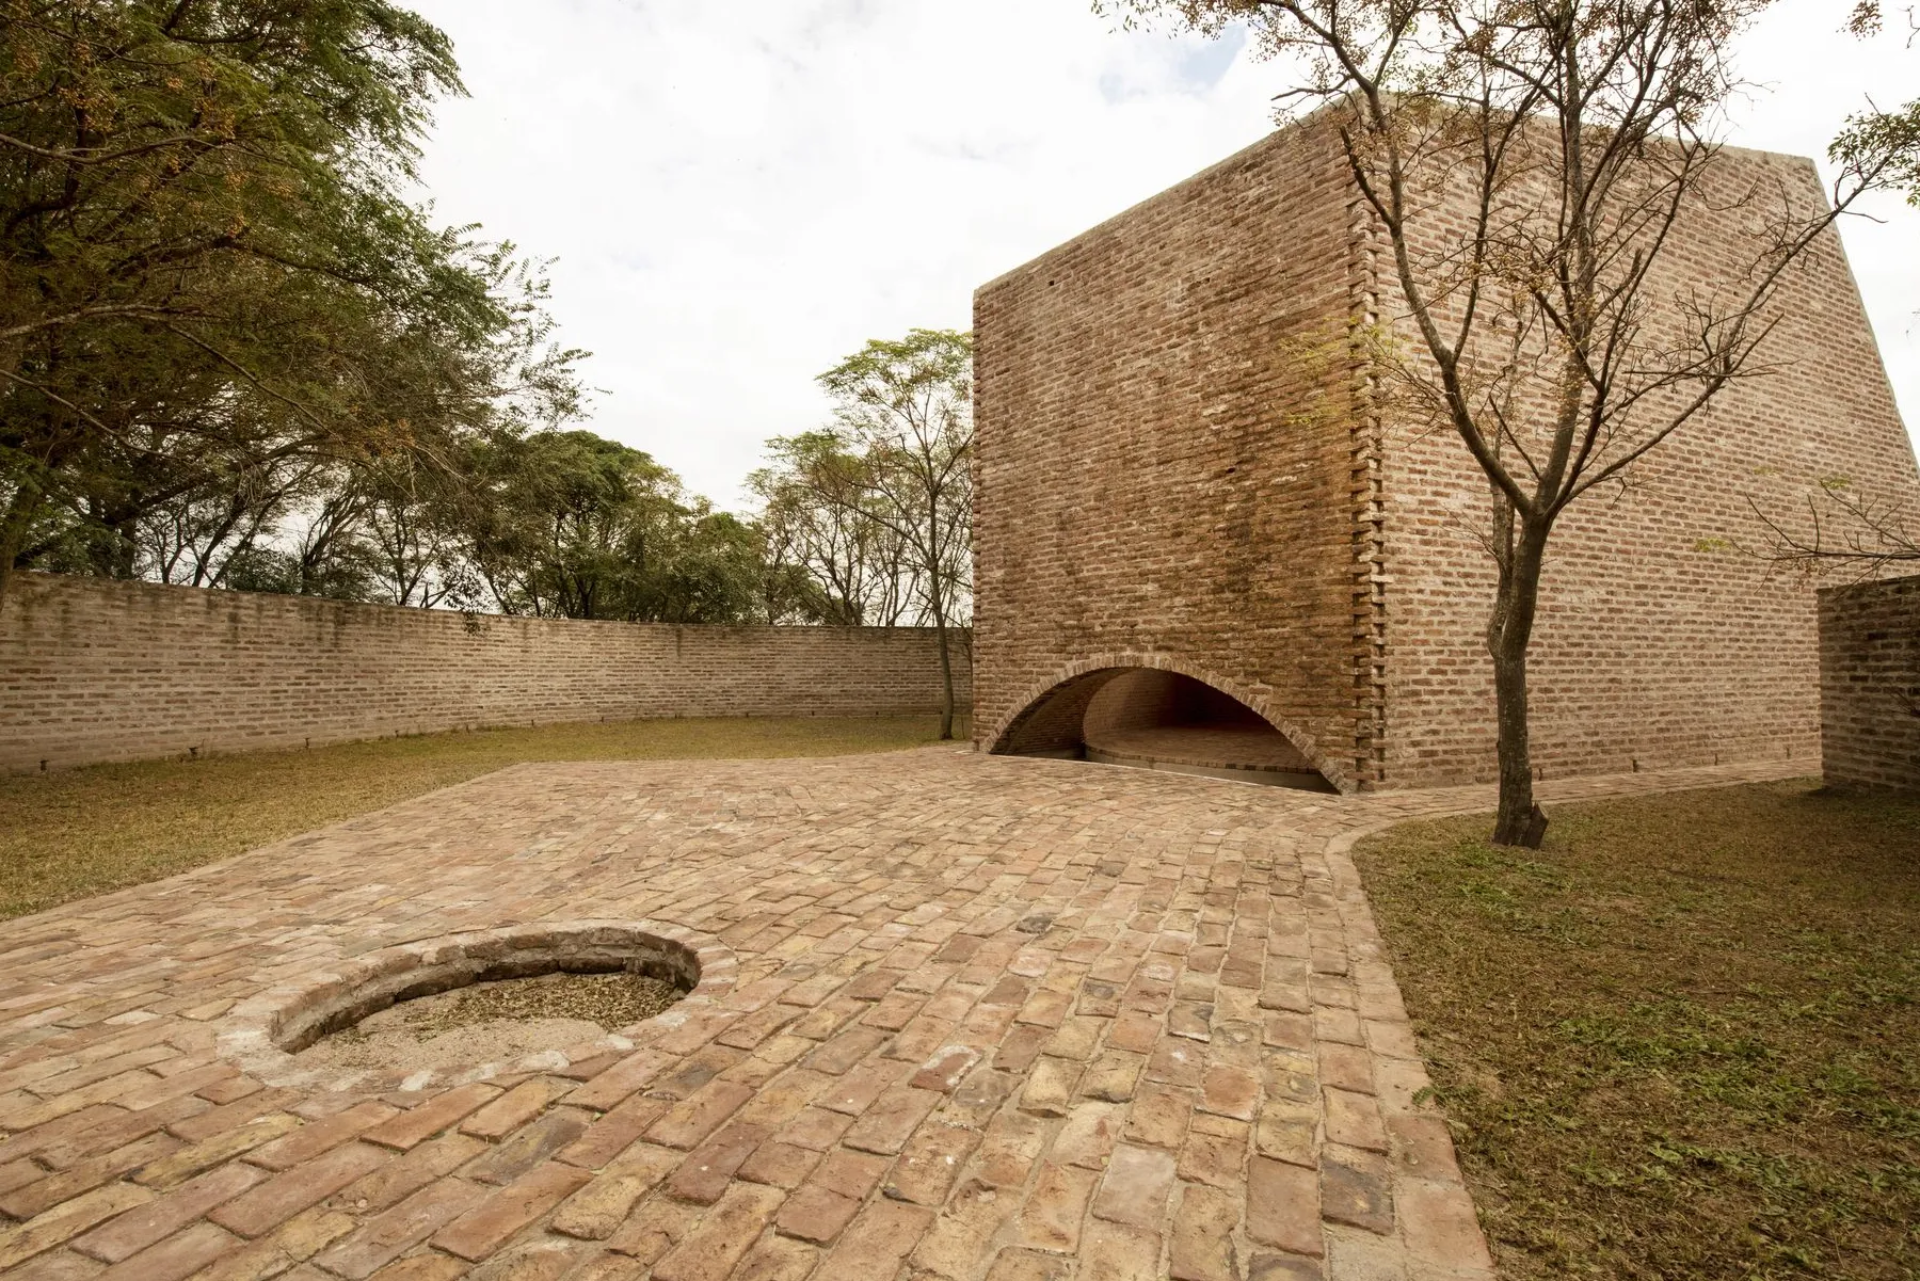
<point x="263" y="1034"/>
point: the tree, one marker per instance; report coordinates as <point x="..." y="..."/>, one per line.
<point x="1570" y="138"/>
<point x="789" y="592"/>
<point x="707" y="569"/>
<point x="571" y="525"/>
<point x="818" y="512"/>
<point x="409" y="526"/>
<point x="1845" y="530"/>
<point x="327" y="557"/>
<point x="1884" y="141"/>
<point x="869" y="521"/>
<point x="903" y="414"/>
<point x="197" y="537"/>
<point x="208" y="271"/>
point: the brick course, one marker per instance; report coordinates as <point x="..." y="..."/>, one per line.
<point x="92" y="670"/>
<point x="1185" y="463"/>
<point x="1870" y="684"/>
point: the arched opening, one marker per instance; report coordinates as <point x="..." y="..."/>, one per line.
<point x="1149" y="718"/>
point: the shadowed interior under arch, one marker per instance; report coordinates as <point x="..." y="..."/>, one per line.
<point x="1154" y="719"/>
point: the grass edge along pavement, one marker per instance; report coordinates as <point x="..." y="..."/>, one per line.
<point x="1678" y="1041"/>
<point x="72" y="834"/>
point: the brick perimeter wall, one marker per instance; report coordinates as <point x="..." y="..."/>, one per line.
<point x="96" y="671"/>
<point x="1870" y="684"/>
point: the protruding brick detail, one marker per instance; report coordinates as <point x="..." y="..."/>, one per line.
<point x="1192" y="457"/>
<point x="1369" y="494"/>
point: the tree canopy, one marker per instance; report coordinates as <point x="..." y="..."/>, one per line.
<point x="870" y="519"/>
<point x="211" y="285"/>
<point x="568" y="524"/>
<point x="234" y="352"/>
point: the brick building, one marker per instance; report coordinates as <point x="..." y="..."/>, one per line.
<point x="1200" y="542"/>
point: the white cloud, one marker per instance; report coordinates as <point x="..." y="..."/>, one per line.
<point x="741" y="194"/>
<point x="1808" y="76"/>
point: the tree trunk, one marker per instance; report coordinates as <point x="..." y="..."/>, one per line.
<point x="937" y="594"/>
<point x="1519" y="821"/>
<point x="13" y="532"/>
<point x="946" y="668"/>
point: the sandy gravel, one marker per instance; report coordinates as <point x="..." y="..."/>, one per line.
<point x="492" y="1021"/>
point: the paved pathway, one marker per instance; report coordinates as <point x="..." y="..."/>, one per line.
<point x="1018" y="1020"/>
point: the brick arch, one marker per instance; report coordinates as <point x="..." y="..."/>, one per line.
<point x="1076" y="680"/>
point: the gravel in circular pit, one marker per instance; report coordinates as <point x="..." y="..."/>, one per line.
<point x="488" y="1022"/>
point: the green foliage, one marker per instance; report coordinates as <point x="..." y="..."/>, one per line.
<point x="830" y="559"/>
<point x="875" y="512"/>
<point x="1885" y="142"/>
<point x="916" y="386"/>
<point x="233" y="354"/>
<point x="568" y="524"/>
<point x="870" y="520"/>
<point x="212" y="293"/>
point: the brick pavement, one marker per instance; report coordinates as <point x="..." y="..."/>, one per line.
<point x="987" y="1018"/>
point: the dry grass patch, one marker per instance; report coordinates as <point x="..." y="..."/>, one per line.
<point x="76" y="833"/>
<point x="1683" y="1040"/>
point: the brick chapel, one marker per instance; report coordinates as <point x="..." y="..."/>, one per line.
<point x="1195" y="549"/>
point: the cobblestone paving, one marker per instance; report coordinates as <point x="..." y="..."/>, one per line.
<point x="1017" y="1020"/>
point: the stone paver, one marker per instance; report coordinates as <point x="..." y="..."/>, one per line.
<point x="992" y="1018"/>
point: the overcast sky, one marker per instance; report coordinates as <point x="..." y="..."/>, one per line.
<point x="741" y="194"/>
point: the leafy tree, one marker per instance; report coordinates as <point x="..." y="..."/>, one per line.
<point x="1574" y="136"/>
<point x="344" y="575"/>
<point x="208" y="273"/>
<point x="410" y="526"/>
<point x="1845" y="529"/>
<point x="818" y="511"/>
<point x="233" y="354"/>
<point x="869" y="521"/>
<point x="788" y="592"/>
<point x="327" y="557"/>
<point x="904" y="410"/>
<point x="1883" y="141"/>
<point x="571" y="525"/>
<point x="195" y="537"/>
<point x="708" y="570"/>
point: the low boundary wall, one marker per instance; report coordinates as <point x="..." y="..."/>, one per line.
<point x="94" y="670"/>
<point x="1870" y="684"/>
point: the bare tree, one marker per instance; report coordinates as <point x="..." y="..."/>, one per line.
<point x="195" y="537"/>
<point x="1845" y="531"/>
<point x="1530" y="165"/>
<point x="905" y="412"/>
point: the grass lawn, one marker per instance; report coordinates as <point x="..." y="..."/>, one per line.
<point x="75" y="833"/>
<point x="1683" y="1039"/>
